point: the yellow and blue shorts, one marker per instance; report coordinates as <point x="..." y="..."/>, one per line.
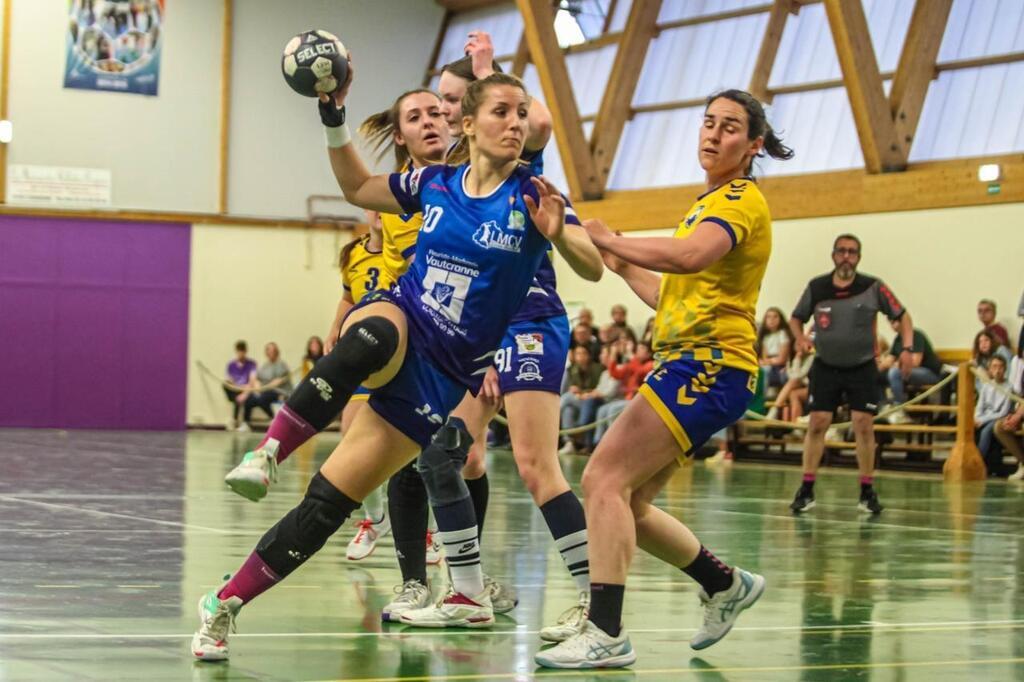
<point x="362" y="394"/>
<point x="696" y="399"/>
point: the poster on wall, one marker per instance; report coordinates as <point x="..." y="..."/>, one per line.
<point x="114" y="45"/>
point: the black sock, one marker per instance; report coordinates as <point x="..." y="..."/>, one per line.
<point x="807" y="487"/>
<point x="709" y="572"/>
<point x="480" y="491"/>
<point x="568" y="525"/>
<point x="865" y="488"/>
<point x="606" y="607"/>
<point x="407" y="505"/>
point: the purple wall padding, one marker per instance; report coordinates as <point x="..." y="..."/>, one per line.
<point x="93" y="323"/>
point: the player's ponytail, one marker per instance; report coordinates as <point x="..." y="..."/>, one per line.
<point x="757" y="125"/>
<point x="346" y="253"/>
<point x="379" y="130"/>
<point x="471" y="101"/>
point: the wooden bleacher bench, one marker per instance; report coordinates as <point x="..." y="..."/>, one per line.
<point x="919" y="442"/>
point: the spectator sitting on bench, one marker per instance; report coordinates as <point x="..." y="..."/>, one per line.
<point x="775" y="347"/>
<point x="274" y="383"/>
<point x="240" y="372"/>
<point x="927" y="369"/>
<point x="987" y="317"/>
<point x="1007" y="427"/>
<point x="987" y="346"/>
<point x="992" y="406"/>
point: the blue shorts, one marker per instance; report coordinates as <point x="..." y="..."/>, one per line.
<point x="532" y="355"/>
<point x="419" y="398"/>
<point x="696" y="399"/>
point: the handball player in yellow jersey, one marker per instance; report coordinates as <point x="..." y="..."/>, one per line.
<point x="704" y="335"/>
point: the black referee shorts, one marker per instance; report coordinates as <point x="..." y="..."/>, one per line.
<point x="831" y="387"/>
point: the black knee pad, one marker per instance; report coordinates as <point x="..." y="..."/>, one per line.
<point x="366" y="347"/>
<point x="440" y="464"/>
<point x="305" y="529"/>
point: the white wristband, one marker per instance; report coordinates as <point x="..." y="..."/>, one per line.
<point x="337" y="137"/>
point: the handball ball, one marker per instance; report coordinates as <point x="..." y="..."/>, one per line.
<point x="314" y="62"/>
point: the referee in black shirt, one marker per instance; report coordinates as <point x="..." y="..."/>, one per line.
<point x="845" y="305"/>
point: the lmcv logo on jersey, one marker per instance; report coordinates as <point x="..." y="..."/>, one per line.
<point x="490" y="236"/>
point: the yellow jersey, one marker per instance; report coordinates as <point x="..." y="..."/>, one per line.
<point x="709" y="315"/>
<point x="400" y="233"/>
<point x="364" y="270"/>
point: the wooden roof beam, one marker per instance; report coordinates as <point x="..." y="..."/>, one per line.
<point x="773" y="30"/>
<point x="871" y="113"/>
<point x="615" y="109"/>
<point x="539" y="29"/>
<point x="917" y="68"/>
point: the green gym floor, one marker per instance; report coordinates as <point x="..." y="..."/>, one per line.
<point x="107" y="540"/>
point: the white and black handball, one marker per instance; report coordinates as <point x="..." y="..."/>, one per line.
<point x="314" y="62"/>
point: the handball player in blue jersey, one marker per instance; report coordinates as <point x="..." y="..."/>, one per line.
<point x="527" y="375"/>
<point x="487" y="225"/>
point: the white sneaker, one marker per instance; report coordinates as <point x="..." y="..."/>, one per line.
<point x="454" y="610"/>
<point x="570" y="623"/>
<point x="216" y="622"/>
<point x="434" y="550"/>
<point x="258" y="469"/>
<point x="722" y="610"/>
<point x="568" y="449"/>
<point x="412" y="594"/>
<point x="1018" y="475"/>
<point x="592" y="647"/>
<point x="243" y="428"/>
<point x="773" y="413"/>
<point x="503" y="598"/>
<point x="833" y="435"/>
<point x="899" y="417"/>
<point x="365" y="541"/>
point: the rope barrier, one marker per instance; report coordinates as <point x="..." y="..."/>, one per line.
<point x="241" y="389"/>
<point x="574" y="430"/>
<point x="776" y="423"/>
<point x="986" y="379"/>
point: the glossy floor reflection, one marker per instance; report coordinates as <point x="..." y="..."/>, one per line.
<point x="108" y="539"/>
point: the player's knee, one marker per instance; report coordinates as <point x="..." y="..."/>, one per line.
<point x="440" y="464"/>
<point x="304" y="530"/>
<point x="367" y="344"/>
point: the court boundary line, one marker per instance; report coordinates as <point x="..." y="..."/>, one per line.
<point x="938" y="626"/>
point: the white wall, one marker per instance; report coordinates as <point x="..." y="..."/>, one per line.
<point x="257" y="284"/>
<point x="277" y="155"/>
<point x="161" y="151"/>
<point x="938" y="262"/>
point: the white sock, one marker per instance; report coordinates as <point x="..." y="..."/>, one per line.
<point x="462" y="551"/>
<point x="373" y="505"/>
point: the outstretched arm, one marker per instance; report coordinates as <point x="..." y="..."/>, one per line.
<point x="548" y="214"/>
<point x="357" y="184"/>
<point x="707" y="244"/>
<point x="644" y="283"/>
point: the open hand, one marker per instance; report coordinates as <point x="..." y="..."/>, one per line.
<point x="480" y="49"/>
<point x="549" y="214"/>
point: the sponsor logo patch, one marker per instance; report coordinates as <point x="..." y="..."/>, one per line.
<point x="530" y="344"/>
<point x="529" y="370"/>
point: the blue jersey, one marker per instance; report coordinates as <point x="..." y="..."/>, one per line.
<point x="476" y="258"/>
<point x="543" y="300"/>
